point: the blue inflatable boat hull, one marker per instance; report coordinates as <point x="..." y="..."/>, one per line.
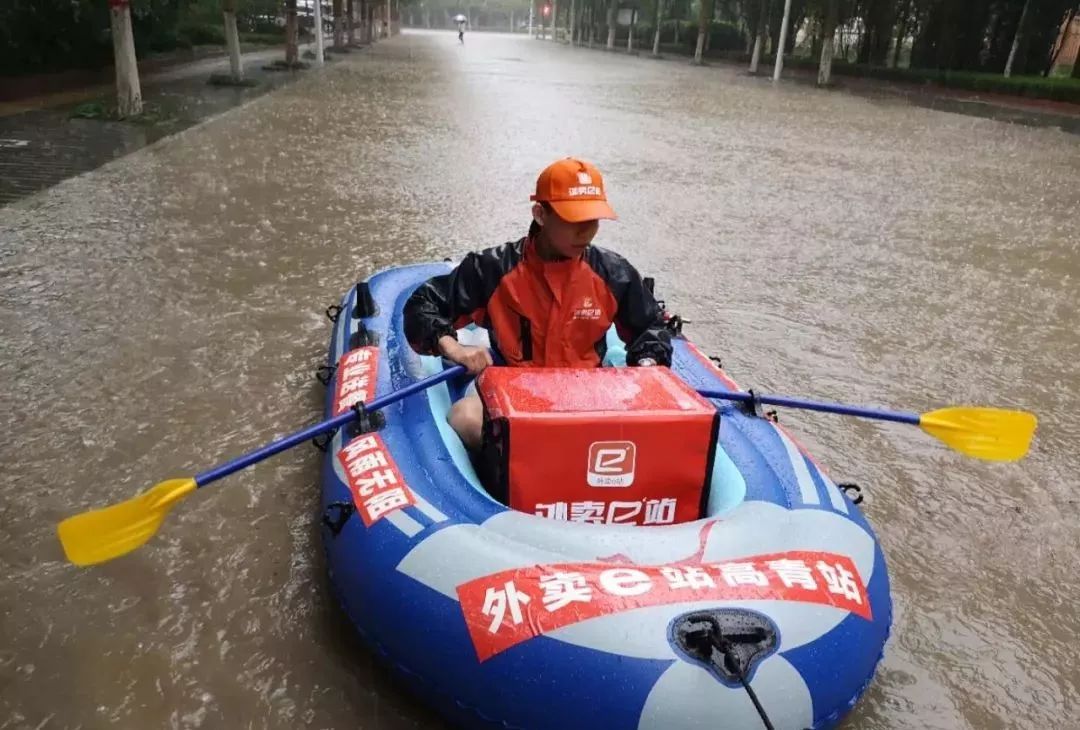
<point x="430" y="584"/>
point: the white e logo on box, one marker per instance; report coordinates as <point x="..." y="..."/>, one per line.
<point x="611" y="463"/>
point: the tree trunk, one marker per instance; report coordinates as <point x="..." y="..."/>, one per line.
<point x="292" y="51"/>
<point x="704" y="14"/>
<point x="1076" y="65"/>
<point x="232" y="41"/>
<point x="782" y="43"/>
<point x="592" y="23"/>
<point x="128" y="93"/>
<point x="386" y="22"/>
<point x="828" y="35"/>
<point x="350" y="25"/>
<point x="630" y="36"/>
<point x="657" y="20"/>
<point x="759" y="36"/>
<point x="878" y="21"/>
<point x="339" y="25"/>
<point x="611" y="25"/>
<point x="708" y="26"/>
<point x="1063" y="36"/>
<point x="1016" y="38"/>
<point x="901" y="32"/>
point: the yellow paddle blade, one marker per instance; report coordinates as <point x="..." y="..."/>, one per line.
<point x="104" y="534"/>
<point x="993" y="434"/>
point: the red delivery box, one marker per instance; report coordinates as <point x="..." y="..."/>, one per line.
<point x="600" y="445"/>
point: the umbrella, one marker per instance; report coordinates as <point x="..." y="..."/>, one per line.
<point x="460" y="19"/>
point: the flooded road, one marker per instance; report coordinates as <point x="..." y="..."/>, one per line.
<point x="164" y="313"/>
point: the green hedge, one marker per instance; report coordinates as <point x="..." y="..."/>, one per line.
<point x="1033" y="87"/>
<point x="201" y="35"/>
<point x="1054" y="88"/>
<point x="268" y="39"/>
<point x="722" y="37"/>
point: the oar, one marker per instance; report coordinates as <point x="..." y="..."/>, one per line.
<point x="994" y="434"/>
<point x="104" y="534"/>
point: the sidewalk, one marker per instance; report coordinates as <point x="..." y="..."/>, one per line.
<point x="40" y="144"/>
<point x="1002" y="107"/>
<point x="990" y="105"/>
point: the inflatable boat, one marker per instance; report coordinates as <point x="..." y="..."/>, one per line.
<point x="769" y="605"/>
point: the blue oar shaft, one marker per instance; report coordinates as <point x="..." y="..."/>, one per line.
<point x="810" y="405"/>
<point x="230" y="467"/>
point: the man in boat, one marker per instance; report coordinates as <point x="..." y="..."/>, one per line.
<point x="546" y="300"/>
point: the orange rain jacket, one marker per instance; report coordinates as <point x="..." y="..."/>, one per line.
<point x="541" y="313"/>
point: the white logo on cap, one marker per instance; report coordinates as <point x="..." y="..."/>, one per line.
<point x="584" y="178"/>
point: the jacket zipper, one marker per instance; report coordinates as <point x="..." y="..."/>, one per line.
<point x="526" y="340"/>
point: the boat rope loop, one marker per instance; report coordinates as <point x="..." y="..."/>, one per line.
<point x="852" y="491"/>
<point x="325" y="374"/>
<point x="335" y="521"/>
<point x="322" y="441"/>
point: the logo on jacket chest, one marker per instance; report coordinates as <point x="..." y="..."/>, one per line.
<point x="587" y="309"/>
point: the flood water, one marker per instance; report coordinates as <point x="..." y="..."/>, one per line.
<point x="164" y="313"/>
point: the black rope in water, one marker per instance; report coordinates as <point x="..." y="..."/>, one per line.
<point x="703" y="637"/>
<point x="733" y="664"/>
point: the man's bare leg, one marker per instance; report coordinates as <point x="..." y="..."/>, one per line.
<point x="466" y="417"/>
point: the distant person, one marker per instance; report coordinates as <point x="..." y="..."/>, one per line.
<point x="461" y="31"/>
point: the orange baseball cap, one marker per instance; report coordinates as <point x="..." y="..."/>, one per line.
<point x="575" y="190"/>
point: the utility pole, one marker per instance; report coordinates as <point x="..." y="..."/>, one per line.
<point x="320" y="55"/>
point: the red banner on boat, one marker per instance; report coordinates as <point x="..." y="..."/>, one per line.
<point x="356" y="378"/>
<point x="507" y="608"/>
<point x="374" y="479"/>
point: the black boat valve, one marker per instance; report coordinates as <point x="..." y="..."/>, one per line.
<point x="729" y="642"/>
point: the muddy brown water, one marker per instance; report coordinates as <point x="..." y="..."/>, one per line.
<point x="163" y="313"/>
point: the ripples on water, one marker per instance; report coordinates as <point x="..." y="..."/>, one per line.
<point x="163" y="313"/>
